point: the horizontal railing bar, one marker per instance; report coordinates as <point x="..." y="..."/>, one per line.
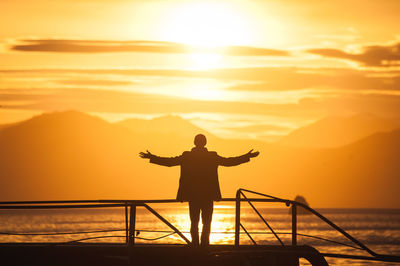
<point x="264" y="195"/>
<point x="177" y="201"/>
<point x="141" y="201"/>
<point x="91" y="238"/>
<point x="358" y="257"/>
<point x="61" y="233"/>
<point x="49" y="202"/>
<point x="61" y="206"/>
<point x="128" y="201"/>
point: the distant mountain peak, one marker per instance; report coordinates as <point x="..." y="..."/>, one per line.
<point x="333" y="131"/>
<point x="63" y="115"/>
<point x="166" y="124"/>
<point x="60" y="122"/>
<point x="170" y="118"/>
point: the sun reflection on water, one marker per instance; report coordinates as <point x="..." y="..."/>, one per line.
<point x="222" y="226"/>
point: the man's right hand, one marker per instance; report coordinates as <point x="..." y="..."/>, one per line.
<point x="145" y="155"/>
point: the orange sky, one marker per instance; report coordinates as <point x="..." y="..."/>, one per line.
<point x="228" y="66"/>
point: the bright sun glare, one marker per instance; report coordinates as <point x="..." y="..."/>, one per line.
<point x="205" y="24"/>
<point x="203" y="61"/>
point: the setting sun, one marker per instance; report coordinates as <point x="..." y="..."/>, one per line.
<point x="204" y="61"/>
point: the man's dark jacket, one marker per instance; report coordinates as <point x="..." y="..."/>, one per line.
<point x="199" y="172"/>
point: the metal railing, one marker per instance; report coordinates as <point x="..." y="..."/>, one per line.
<point x="130" y="207"/>
<point x="295" y="205"/>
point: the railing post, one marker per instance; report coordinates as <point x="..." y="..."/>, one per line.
<point x="132" y="224"/>
<point x="294" y="224"/>
<point x="126" y="224"/>
<point x="237" y="219"/>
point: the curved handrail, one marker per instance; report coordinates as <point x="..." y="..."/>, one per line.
<point x="329" y="222"/>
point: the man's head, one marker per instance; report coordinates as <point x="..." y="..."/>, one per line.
<point x="200" y="140"/>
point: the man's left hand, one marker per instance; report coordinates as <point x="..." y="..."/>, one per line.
<point x="252" y="154"/>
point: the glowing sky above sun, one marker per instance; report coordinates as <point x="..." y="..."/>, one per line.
<point x="226" y="65"/>
<point x="206" y="24"/>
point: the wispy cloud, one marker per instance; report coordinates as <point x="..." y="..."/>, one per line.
<point x="376" y="55"/>
<point x="104" y="46"/>
<point x="113" y="101"/>
<point x="249" y="79"/>
<point x="289" y="79"/>
<point x="99" y="100"/>
<point x="94" y="82"/>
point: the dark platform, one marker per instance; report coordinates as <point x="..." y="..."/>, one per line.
<point x="165" y="255"/>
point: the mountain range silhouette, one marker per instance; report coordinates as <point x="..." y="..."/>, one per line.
<point x="73" y="155"/>
<point x="333" y="132"/>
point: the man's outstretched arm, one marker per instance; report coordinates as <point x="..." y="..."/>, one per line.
<point x="232" y="161"/>
<point x="165" y="161"/>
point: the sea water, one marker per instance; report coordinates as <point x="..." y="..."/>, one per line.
<point x="378" y="229"/>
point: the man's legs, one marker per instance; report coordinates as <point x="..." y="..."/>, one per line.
<point x="206" y="218"/>
<point x="194" y="212"/>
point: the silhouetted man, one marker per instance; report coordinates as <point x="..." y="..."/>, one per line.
<point x="198" y="183"/>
